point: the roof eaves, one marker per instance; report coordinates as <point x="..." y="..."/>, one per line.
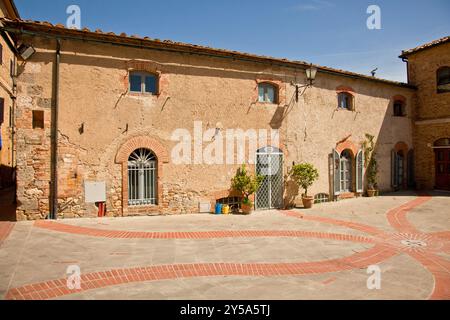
<point x="111" y="37"/>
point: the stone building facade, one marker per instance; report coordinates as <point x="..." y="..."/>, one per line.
<point x="108" y="128"/>
<point x="427" y="65"/>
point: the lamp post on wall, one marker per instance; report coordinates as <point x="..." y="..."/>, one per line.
<point x="311" y="73"/>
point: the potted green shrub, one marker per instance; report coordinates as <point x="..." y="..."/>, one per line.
<point x="371" y="165"/>
<point x="247" y="185"/>
<point x="305" y="174"/>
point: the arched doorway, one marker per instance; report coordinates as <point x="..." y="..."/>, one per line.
<point x="442" y="163"/>
<point x="269" y="164"/>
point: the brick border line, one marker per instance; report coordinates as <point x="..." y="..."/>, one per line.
<point x="440" y="269"/>
<point x="351" y="225"/>
<point x="59" y="227"/>
<point x="397" y="216"/>
<point x="57" y="288"/>
<point x="5" y="230"/>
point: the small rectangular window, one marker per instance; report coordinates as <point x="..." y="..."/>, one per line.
<point x="38" y="119"/>
<point x="143" y="82"/>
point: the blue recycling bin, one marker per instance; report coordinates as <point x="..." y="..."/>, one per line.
<point x="219" y="208"/>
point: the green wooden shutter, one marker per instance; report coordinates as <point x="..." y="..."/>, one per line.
<point x="336" y="173"/>
<point x="360" y="172"/>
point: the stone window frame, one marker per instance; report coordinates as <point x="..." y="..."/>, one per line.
<point x="347" y="91"/>
<point x="122" y="156"/>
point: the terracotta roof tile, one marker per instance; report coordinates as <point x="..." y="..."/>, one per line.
<point x="434" y="43"/>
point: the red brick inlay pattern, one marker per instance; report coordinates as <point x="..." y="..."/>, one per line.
<point x="408" y="240"/>
<point x="57" y="288"/>
<point x="5" y="230"/>
<point x="54" y="226"/>
<point x="420" y="246"/>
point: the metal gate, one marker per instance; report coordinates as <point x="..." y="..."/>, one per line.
<point x="142" y="178"/>
<point x="269" y="164"/>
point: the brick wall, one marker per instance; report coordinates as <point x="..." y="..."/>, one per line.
<point x="432" y="107"/>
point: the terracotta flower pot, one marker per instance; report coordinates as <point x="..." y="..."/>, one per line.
<point x="371" y="193"/>
<point x="246" y="208"/>
<point x="307" y="202"/>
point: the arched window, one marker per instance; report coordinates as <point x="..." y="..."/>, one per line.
<point x="346" y="169"/>
<point x="444" y="142"/>
<point x="142" y="165"/>
<point x="399" y="108"/>
<point x="267" y="92"/>
<point x="443" y="79"/>
<point x="345" y="101"/>
<point x="143" y="82"/>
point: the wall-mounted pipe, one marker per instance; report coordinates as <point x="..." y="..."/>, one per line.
<point x="53" y="200"/>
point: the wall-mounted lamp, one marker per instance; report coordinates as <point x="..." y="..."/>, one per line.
<point x="26" y="51"/>
<point x="311" y="73"/>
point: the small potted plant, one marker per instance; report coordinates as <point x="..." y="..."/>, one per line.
<point x="371" y="165"/>
<point x="305" y="174"/>
<point x="247" y="185"/>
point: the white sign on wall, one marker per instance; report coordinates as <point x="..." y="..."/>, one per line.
<point x="94" y="192"/>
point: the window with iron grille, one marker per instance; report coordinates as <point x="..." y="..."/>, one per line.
<point x="233" y="202"/>
<point x="321" y="198"/>
<point x="142" y="178"/>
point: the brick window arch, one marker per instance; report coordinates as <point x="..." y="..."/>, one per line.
<point x="123" y="155"/>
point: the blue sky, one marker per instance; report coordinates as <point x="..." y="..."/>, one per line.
<point x="325" y="32"/>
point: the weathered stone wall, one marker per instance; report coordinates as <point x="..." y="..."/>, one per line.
<point x="98" y="116"/>
<point x="433" y="109"/>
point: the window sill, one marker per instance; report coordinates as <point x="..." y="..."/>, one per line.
<point x="267" y="103"/>
<point x="141" y="94"/>
<point x="344" y="109"/>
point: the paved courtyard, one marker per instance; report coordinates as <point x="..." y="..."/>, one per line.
<point x="322" y="253"/>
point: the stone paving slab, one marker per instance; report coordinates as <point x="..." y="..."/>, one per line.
<point x="322" y="253"/>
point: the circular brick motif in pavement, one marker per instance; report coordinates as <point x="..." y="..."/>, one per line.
<point x="418" y="242"/>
